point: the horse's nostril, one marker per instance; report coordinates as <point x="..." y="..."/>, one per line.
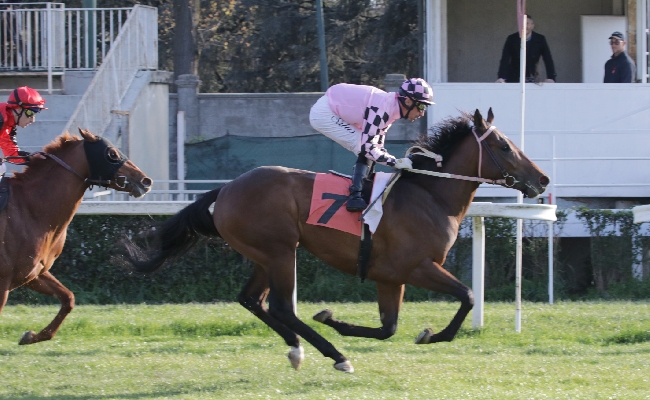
<point x="544" y="181"/>
<point x="146" y="181"/>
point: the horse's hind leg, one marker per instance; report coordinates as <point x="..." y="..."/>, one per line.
<point x="282" y="276"/>
<point x="389" y="298"/>
<point x="253" y="296"/>
<point x="431" y="275"/>
<point x="47" y="284"/>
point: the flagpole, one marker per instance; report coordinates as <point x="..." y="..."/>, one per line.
<point x="520" y="197"/>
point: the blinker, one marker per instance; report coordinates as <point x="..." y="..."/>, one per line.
<point x="104" y="159"/>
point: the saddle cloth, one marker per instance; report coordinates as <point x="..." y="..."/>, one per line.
<point x="328" y="200"/>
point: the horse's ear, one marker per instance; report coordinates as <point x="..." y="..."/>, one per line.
<point x="490" y="116"/>
<point x="478" y="120"/>
<point x="87" y="135"/>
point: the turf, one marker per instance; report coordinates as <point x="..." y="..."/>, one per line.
<point x="570" y="350"/>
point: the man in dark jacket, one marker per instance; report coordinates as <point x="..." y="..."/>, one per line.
<point x="536" y="47"/>
<point x="620" y="68"/>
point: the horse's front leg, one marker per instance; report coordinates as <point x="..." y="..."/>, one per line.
<point x="431" y="275"/>
<point x="47" y="284"/>
<point x="281" y="282"/>
<point x="389" y="298"/>
<point x="253" y="298"/>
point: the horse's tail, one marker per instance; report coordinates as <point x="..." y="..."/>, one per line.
<point x="172" y="238"/>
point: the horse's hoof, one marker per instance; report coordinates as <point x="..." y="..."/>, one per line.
<point x="296" y="357"/>
<point x="27" y="338"/>
<point x="323" y="315"/>
<point x="424" y="337"/>
<point x="345" y="366"/>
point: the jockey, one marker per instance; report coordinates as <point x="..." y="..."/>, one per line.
<point x="358" y="116"/>
<point x="19" y="110"/>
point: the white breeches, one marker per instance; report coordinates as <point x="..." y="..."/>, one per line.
<point x="3" y="169"/>
<point x="329" y="124"/>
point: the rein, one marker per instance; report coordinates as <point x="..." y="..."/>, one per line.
<point x="119" y="181"/>
<point x="507" y="181"/>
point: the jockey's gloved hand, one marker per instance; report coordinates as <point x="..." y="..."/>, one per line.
<point x="402" y="163"/>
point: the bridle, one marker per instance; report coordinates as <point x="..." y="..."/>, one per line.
<point x="507" y="181"/>
<point x="482" y="145"/>
<point x="119" y="181"/>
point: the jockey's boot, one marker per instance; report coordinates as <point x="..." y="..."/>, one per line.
<point x="355" y="201"/>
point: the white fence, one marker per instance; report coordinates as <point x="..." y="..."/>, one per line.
<point x="39" y="38"/>
<point x="36" y="36"/>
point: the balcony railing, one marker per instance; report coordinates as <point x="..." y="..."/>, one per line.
<point x="47" y="38"/>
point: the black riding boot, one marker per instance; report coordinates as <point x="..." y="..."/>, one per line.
<point x="355" y="201"/>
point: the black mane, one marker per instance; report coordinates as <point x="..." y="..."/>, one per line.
<point x="443" y="137"/>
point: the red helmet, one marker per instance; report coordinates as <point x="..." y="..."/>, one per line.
<point x="26" y="97"/>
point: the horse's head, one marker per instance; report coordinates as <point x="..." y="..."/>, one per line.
<point x="110" y="168"/>
<point x="501" y="159"/>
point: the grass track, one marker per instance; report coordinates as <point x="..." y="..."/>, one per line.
<point x="595" y="350"/>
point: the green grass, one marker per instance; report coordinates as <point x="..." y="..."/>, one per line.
<point x="592" y="350"/>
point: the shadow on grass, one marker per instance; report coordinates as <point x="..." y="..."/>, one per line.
<point x="629" y="337"/>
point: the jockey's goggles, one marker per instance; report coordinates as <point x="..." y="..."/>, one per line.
<point x="30" y="112"/>
<point x="420" y="106"/>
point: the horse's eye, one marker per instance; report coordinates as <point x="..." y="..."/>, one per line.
<point x="506" y="147"/>
<point x="113" y="155"/>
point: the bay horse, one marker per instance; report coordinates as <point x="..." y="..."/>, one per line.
<point x="262" y="215"/>
<point x="42" y="201"/>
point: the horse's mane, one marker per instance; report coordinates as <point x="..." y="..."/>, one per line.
<point x="443" y="137"/>
<point x="57" y="145"/>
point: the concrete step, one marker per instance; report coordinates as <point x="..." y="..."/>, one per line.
<point x="60" y="107"/>
<point x="38" y="134"/>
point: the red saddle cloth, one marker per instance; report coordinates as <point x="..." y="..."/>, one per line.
<point x="328" y="205"/>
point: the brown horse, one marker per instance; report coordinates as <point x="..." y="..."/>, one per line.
<point x="262" y="214"/>
<point x="43" y="199"/>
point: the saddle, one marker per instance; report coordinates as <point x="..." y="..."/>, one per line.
<point x="4" y="192"/>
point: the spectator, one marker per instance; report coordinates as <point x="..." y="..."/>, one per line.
<point x="358" y="116"/>
<point x="620" y="68"/>
<point x="536" y="46"/>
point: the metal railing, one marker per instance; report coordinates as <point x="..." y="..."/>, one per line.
<point x="160" y="191"/>
<point x="39" y="38"/>
<point x="134" y="49"/>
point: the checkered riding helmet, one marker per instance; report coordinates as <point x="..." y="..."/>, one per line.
<point x="26" y="97"/>
<point x="417" y="89"/>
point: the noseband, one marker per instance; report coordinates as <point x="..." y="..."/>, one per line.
<point x="509" y="180"/>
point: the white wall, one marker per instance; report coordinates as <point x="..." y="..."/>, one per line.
<point x="597" y="135"/>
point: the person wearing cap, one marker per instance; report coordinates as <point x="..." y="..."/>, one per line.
<point x="358" y="116"/>
<point x="19" y="110"/>
<point x="620" y="68"/>
<point x="536" y="47"/>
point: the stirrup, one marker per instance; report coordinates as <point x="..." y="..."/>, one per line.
<point x="355" y="204"/>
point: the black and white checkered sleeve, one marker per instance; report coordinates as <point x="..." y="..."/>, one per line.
<point x="374" y="134"/>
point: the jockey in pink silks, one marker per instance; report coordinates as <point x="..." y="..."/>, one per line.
<point x="358" y="116"/>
